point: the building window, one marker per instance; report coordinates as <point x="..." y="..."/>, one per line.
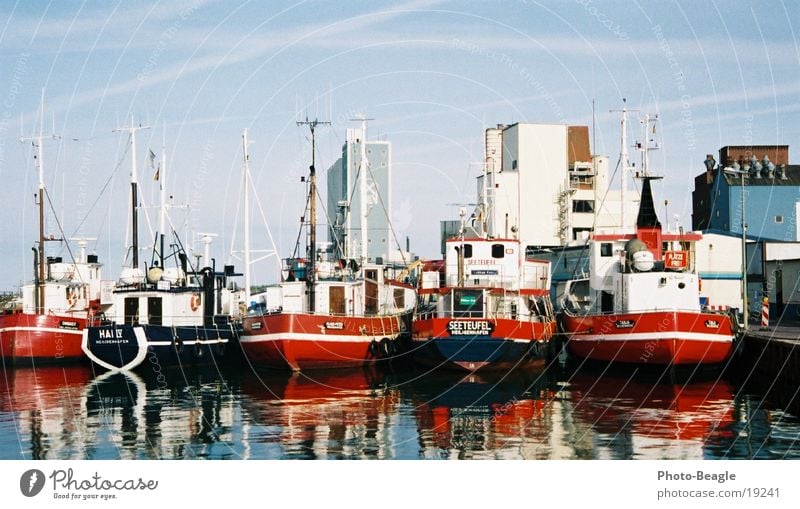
<point x="581" y="233"/>
<point x="606" y="249"/>
<point x="498" y="251"/>
<point x="779" y="219"/>
<point x="583" y="206"/>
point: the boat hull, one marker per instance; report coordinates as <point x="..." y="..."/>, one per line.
<point x="655" y="338"/>
<point x="474" y="345"/>
<point x="300" y="341"/>
<point x="39" y="339"/>
<point x="129" y="347"/>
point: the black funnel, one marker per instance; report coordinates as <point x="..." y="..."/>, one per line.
<point x="647" y="217"/>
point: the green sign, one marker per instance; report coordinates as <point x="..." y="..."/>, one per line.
<point x="467" y="300"/>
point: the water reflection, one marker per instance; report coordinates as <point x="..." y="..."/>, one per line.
<point x="68" y="413"/>
<point x="641" y="416"/>
<point x="481" y="416"/>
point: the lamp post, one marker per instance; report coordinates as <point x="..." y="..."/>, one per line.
<point x="745" y="312"/>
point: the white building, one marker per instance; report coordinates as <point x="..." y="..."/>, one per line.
<point x="344" y="199"/>
<point x="542" y="185"/>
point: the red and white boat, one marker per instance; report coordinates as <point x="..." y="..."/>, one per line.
<point x="487" y="307"/>
<point x="328" y="312"/>
<point x="641" y="302"/>
<point x="45" y="324"/>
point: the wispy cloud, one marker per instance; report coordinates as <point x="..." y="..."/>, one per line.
<point x="244" y="50"/>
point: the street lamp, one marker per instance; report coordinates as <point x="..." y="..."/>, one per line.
<point x="745" y="313"/>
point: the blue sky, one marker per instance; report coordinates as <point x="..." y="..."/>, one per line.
<point x="432" y="75"/>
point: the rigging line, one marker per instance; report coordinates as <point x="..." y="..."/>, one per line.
<point x="61" y="230"/>
<point x="266" y="224"/>
<point x="100" y="195"/>
<point x="328" y="217"/>
<point x="388" y="220"/>
<point x="300" y="231"/>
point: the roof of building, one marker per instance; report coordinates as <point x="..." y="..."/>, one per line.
<point x="792" y="178"/>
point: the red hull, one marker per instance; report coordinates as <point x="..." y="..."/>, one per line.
<point x="302" y="341"/>
<point x="27" y="338"/>
<point x="658" y="337"/>
<point x="503" y="329"/>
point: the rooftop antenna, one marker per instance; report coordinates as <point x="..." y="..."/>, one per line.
<point x="645" y="145"/>
<point x="312" y="204"/>
<point x="131" y="130"/>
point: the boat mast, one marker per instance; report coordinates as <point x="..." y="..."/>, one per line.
<point x="38" y="142"/>
<point x="40" y="273"/>
<point x="134" y="191"/>
<point x="246" y="177"/>
<point x="312" y="212"/>
<point x="162" y="214"/>
<point x="624" y="161"/>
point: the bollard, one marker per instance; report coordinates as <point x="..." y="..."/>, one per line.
<point x="765" y="313"/>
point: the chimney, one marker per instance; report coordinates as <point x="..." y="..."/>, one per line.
<point x="710" y="163"/>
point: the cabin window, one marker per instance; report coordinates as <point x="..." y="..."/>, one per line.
<point x="583" y="206"/>
<point x="399" y="298"/>
<point x="605" y="249"/>
<point x="467" y="250"/>
<point x="514" y="164"/>
<point x="779" y="218"/>
<point x="530" y="253"/>
<point x="498" y="251"/>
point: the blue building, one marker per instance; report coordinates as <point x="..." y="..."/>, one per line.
<point x="771" y="190"/>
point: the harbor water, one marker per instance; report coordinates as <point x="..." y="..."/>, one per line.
<point x="393" y="412"/>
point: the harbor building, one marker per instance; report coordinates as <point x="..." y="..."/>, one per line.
<point x="344" y="199"/>
<point x="770" y="186"/>
<point x="771" y="192"/>
<point x="542" y="184"/>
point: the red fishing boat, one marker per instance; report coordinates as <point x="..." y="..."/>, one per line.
<point x="45" y="323"/>
<point x="487" y="307"/>
<point x="329" y="311"/>
<point x="641" y="302"/>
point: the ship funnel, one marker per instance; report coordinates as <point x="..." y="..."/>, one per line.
<point x="647" y="217"/>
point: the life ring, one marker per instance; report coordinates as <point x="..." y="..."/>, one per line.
<point x="72" y="297"/>
<point x="194" y="303"/>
